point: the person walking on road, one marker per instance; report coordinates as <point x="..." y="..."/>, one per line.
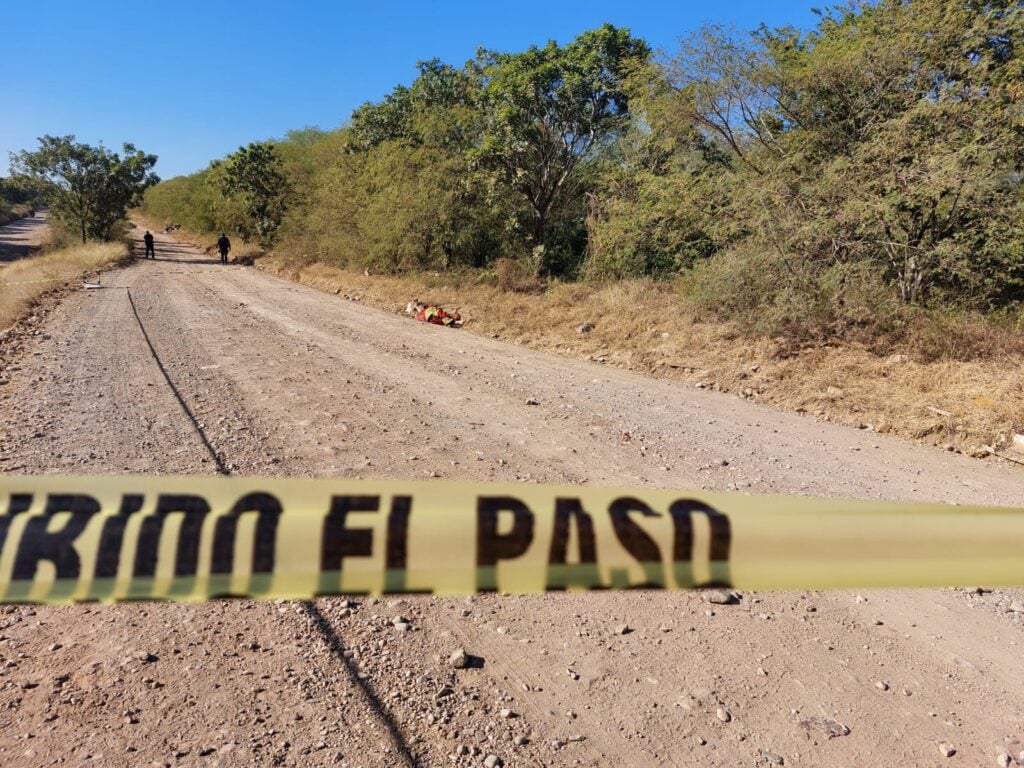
<point x="223" y="245"/>
<point x="148" y="240"/>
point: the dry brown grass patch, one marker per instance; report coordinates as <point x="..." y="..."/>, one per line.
<point x="24" y="282"/>
<point x="642" y="325"/>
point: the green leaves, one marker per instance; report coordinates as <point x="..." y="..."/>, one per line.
<point x="91" y="188"/>
<point x="253" y="175"/>
<point x="549" y="110"/>
<point x="890" y="137"/>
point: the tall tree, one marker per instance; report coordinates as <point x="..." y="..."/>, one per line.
<point x="548" y="110"/>
<point x="254" y="173"/>
<point x="91" y="188"/>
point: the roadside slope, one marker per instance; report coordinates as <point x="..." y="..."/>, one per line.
<point x="646" y="327"/>
<point x="290" y="381"/>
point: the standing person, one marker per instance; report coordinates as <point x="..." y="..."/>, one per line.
<point x="148" y="240"/>
<point x="223" y="245"/>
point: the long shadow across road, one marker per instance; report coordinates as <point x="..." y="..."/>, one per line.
<point x="20" y="238"/>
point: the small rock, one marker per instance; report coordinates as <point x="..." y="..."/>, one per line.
<point x="718" y="596"/>
<point x="577" y="738"/>
<point x="623" y="629"/>
<point x="771" y="758"/>
<point x="492" y="761"/>
<point x="557" y="744"/>
<point x="831" y="729"/>
<point x="584" y="328"/>
<point x="946" y="749"/>
<point x="811" y="609"/>
<point x="459" y="659"/>
<point x="882" y="685"/>
<point x="444" y="692"/>
<point x="520" y="741"/>
<point x="532" y="401"/>
<point x="506" y="713"/>
<point x="1004" y="760"/>
<point x="723" y="714"/>
<point x="1017" y="607"/>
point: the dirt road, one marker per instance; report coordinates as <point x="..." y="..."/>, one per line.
<point x="19" y="238"/>
<point x="284" y="380"/>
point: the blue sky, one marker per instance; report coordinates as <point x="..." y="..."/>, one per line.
<point x="191" y="80"/>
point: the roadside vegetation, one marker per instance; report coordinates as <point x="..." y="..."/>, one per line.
<point x="15" y="201"/>
<point x="855" y="186"/>
<point x="638" y="324"/>
<point x="89" y="189"/>
<point x="23" y="283"/>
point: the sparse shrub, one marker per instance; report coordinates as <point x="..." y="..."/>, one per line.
<point x="515" y="276"/>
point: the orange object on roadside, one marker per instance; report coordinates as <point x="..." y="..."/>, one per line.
<point x="438" y="316"/>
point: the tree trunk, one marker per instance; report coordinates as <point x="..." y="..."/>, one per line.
<point x="83" y="231"/>
<point x="540" y="267"/>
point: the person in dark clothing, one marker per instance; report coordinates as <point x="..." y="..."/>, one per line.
<point x="148" y="240"/>
<point x="223" y="245"/>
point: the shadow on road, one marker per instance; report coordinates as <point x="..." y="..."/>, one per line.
<point x="330" y="637"/>
<point x="21" y="238"/>
<point x="175" y="252"/>
<point x="181" y="261"/>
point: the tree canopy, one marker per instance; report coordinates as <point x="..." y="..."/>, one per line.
<point x="804" y="182"/>
<point x="90" y="188"/>
<point x="253" y="174"/>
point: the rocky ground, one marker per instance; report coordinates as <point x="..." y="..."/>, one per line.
<point x="284" y="380"/>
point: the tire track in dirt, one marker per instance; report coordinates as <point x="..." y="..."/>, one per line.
<point x="316" y="623"/>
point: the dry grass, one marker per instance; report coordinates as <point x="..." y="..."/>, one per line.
<point x="23" y="283"/>
<point x="641" y="326"/>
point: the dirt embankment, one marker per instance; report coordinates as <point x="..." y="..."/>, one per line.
<point x="288" y="381"/>
<point x="637" y="325"/>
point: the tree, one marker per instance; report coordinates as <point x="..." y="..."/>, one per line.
<point x="548" y="110"/>
<point x="884" y="143"/>
<point x="90" y="188"/>
<point x="254" y="174"/>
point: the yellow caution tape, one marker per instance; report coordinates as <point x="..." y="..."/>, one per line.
<point x="66" y="539"/>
